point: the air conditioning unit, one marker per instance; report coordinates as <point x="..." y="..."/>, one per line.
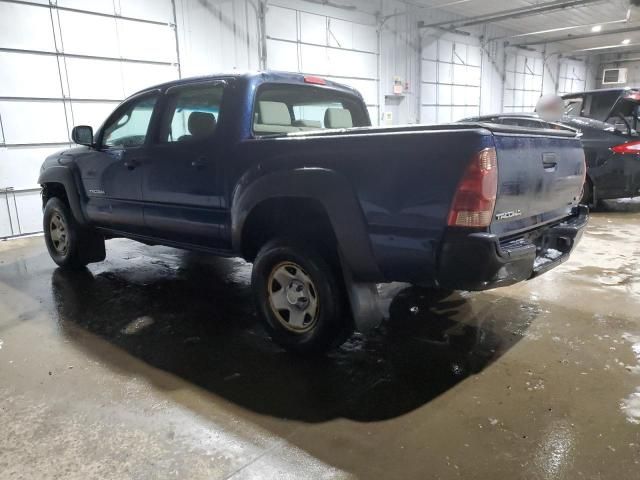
<point x="614" y="76"/>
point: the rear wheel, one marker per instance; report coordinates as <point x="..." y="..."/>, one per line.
<point x="300" y="297"/>
<point x="69" y="244"/>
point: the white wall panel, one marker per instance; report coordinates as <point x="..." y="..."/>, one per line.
<point x="353" y="64"/>
<point x="340" y="33"/>
<point x="313" y="59"/>
<point x="313" y="28"/>
<point x="33" y="122"/>
<point x="157" y="10"/>
<point x="282" y="23"/>
<point x="282" y="56"/>
<point x="85" y="34"/>
<point x="146" y="41"/>
<point x="29" y="211"/>
<point x="138" y="76"/>
<point x="100" y="6"/>
<point x="26" y="27"/>
<point x="27" y="75"/>
<point x="365" y="38"/>
<point x="19" y="166"/>
<point x="92" y="113"/>
<point x="90" y="78"/>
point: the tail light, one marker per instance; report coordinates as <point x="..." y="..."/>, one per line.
<point x="629" y="147"/>
<point x="475" y="197"/>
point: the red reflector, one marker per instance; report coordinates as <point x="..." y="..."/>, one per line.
<point x="315" y="80"/>
<point x="629" y="147"/>
<point x="475" y="197"/>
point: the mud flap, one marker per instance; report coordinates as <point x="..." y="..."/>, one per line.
<point x="364" y="300"/>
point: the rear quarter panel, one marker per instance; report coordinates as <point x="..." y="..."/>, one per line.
<point x="404" y="182"/>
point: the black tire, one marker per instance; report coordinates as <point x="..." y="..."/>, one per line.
<point x="323" y="328"/>
<point x="69" y="244"/>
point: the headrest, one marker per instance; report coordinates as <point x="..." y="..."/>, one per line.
<point x="338" y="118"/>
<point x="274" y="113"/>
<point x="201" y="124"/>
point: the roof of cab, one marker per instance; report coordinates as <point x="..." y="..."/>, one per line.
<point x="258" y="77"/>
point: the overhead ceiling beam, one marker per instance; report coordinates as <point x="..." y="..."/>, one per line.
<point x="565" y="38"/>
<point x="562" y="29"/>
<point x="512" y="13"/>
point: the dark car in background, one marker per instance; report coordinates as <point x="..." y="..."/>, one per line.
<point x="608" y="121"/>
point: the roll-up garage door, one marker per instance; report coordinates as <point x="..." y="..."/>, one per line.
<point x="450" y="74"/>
<point x="69" y="63"/>
<point x="523" y="81"/>
<point x="340" y="50"/>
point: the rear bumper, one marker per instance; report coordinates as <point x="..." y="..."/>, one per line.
<point x="480" y="261"/>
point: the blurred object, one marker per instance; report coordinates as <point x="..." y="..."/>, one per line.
<point x="550" y="107"/>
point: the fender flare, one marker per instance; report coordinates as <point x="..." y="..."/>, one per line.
<point x="65" y="177"/>
<point x="333" y="192"/>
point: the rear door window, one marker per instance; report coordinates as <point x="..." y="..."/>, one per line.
<point x="282" y="109"/>
<point x="192" y="114"/>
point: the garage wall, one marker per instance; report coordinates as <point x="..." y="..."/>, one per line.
<point x="64" y="65"/>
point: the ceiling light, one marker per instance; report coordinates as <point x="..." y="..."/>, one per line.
<point x="596" y="28"/>
<point x="626" y="41"/>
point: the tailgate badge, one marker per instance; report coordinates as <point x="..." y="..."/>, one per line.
<point x="509" y="214"/>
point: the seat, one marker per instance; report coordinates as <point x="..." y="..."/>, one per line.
<point x="200" y="125"/>
<point x="338" y="118"/>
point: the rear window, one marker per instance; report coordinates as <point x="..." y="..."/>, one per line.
<point x="282" y="109"/>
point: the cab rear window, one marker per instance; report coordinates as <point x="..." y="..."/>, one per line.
<point x="282" y="109"/>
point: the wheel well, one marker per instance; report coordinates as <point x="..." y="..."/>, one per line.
<point x="51" y="190"/>
<point x="295" y="217"/>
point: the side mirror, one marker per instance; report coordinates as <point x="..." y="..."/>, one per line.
<point x="82" y="135"/>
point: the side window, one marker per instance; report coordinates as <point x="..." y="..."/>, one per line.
<point x="129" y="129"/>
<point x="192" y="114"/>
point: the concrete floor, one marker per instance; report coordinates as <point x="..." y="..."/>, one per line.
<point x="152" y="365"/>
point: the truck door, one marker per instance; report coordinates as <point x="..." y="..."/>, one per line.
<point x="182" y="185"/>
<point x="111" y="173"/>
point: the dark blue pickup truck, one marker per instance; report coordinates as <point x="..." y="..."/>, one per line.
<point x="285" y="171"/>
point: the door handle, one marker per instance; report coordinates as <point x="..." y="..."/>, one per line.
<point x="198" y="163"/>
<point x="549" y="161"/>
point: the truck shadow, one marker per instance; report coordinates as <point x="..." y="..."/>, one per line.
<point x="198" y="323"/>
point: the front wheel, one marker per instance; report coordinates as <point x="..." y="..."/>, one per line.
<point x="300" y="297"/>
<point x="69" y="244"/>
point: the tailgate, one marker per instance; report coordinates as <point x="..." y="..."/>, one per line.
<point x="540" y="178"/>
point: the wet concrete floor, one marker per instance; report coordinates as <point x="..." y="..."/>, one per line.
<point x="152" y="365"/>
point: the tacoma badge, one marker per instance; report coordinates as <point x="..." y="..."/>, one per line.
<point x="510" y="214"/>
